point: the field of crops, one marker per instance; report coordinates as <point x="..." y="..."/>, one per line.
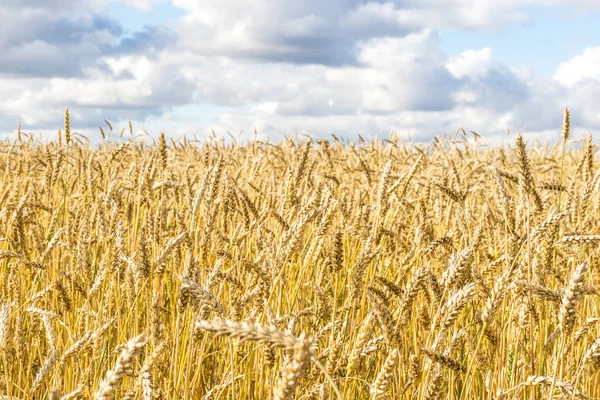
<point x="307" y="269"/>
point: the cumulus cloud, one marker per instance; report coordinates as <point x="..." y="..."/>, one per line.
<point x="145" y="5"/>
<point x="63" y="38"/>
<point x="70" y="53"/>
<point x="314" y="31"/>
<point x="583" y="67"/>
<point x="150" y="40"/>
<point x="471" y="63"/>
<point x="581" y="81"/>
<point x="343" y="66"/>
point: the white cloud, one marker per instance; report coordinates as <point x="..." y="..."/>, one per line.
<point x="268" y="107"/>
<point x="404" y="72"/>
<point x="471" y="63"/>
<point x="401" y="84"/>
<point x="580" y="68"/>
<point x="303" y="27"/>
<point x="383" y="17"/>
<point x="145" y="5"/>
<point x="579" y="78"/>
<point x="343" y="66"/>
<point x="150" y="84"/>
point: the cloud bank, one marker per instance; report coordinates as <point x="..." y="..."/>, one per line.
<point x="342" y="66"/>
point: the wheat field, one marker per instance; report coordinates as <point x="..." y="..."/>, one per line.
<point x="306" y="269"/>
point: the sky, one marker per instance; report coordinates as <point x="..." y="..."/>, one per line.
<point x="418" y="68"/>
